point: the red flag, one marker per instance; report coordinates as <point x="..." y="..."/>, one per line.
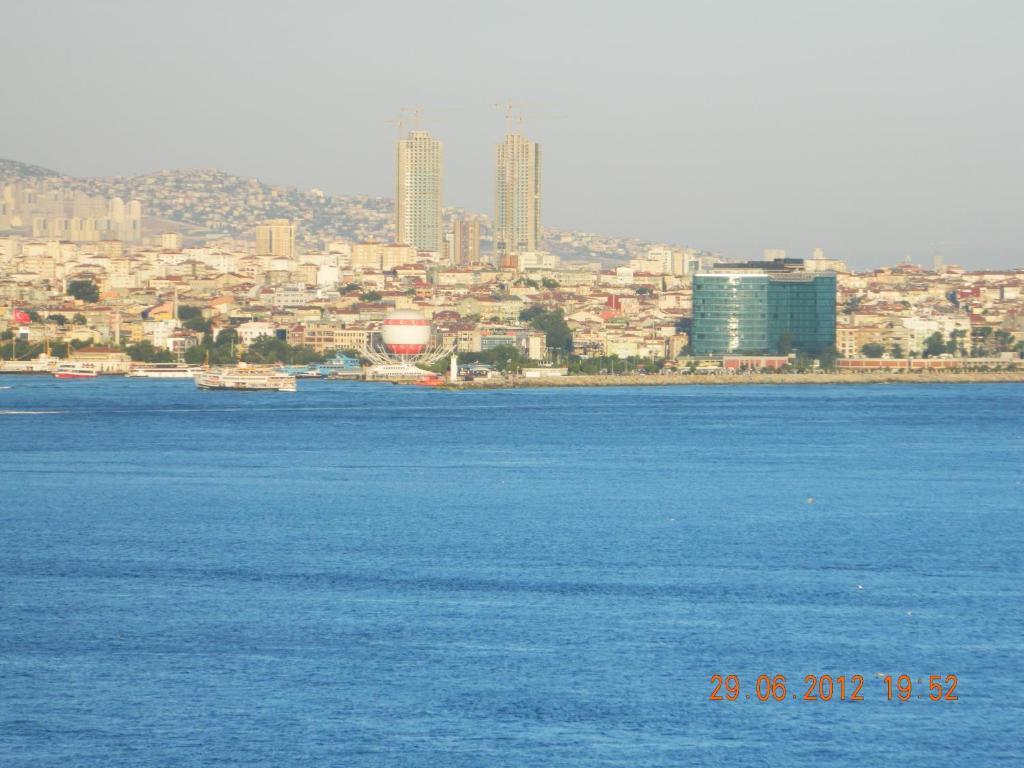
<point x="21" y="317"/>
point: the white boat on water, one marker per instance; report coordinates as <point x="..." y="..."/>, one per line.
<point x="163" y="371"/>
<point x="245" y="379"/>
<point x="42" y="364"/>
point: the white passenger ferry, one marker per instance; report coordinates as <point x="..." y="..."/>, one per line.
<point x="245" y="379"/>
<point x="163" y="371"/>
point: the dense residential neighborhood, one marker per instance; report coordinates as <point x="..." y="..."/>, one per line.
<point x="218" y="257"/>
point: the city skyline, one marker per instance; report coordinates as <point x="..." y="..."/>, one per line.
<point x="602" y="243"/>
<point x="876" y="131"/>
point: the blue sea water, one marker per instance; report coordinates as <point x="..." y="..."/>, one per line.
<point x="372" y="575"/>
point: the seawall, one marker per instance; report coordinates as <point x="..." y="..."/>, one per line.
<point x="632" y="380"/>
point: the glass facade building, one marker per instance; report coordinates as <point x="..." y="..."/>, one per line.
<point x="802" y="305"/>
<point x="760" y="312"/>
<point x="730" y="314"/>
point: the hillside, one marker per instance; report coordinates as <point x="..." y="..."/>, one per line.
<point x="203" y="202"/>
<point x="213" y="202"/>
<point x="12" y="170"/>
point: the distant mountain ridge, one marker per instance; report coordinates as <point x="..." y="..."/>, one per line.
<point x="215" y="202"/>
<point x="12" y="170"/>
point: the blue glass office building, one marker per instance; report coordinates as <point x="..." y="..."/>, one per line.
<point x="759" y="312"/>
<point x="802" y="305"/>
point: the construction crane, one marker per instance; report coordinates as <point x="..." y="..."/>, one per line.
<point x="406" y="116"/>
<point x="514" y="113"/>
<point x="416" y="113"/>
<point x="399" y="122"/>
<point x="511" y="118"/>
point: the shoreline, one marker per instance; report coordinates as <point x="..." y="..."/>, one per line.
<point x="683" y="380"/>
<point x="658" y="380"/>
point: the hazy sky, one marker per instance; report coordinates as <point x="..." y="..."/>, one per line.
<point x="874" y="129"/>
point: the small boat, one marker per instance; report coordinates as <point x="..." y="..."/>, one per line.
<point x="245" y="379"/>
<point x="75" y="371"/>
<point x="431" y="380"/>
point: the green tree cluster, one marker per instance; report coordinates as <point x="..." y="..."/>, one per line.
<point x="266" y="350"/>
<point x="220" y="351"/>
<point x="198" y="324"/>
<point x="145" y="352"/>
<point x="557" y="334"/>
<point x="955" y="343"/>
<point x="935" y="345"/>
<point x="15" y="349"/>
<point x="506" y="358"/>
<point x="22" y="350"/>
<point x="873" y="350"/>
<point x="610" y="364"/>
<point x="84" y="290"/>
<point x="988" y="342"/>
<point x="269" y="349"/>
<point x="827" y="358"/>
<point x="192" y="318"/>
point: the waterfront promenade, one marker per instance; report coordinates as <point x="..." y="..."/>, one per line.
<point x="654" y="380"/>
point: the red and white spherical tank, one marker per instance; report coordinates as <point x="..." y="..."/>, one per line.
<point x="406" y="332"/>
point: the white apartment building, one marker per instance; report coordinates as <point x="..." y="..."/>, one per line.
<point x="516" y="195"/>
<point x="418" y="191"/>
